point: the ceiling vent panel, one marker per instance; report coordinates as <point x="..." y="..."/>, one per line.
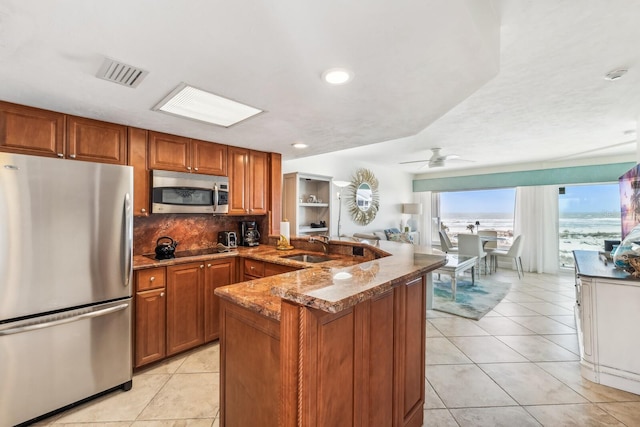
<point x="122" y="74"/>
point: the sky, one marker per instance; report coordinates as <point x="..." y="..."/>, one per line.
<point x="481" y="201"/>
<point x="577" y="199"/>
<point x="590" y="198"/>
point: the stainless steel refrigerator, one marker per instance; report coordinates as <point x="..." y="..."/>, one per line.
<point x="66" y="235"/>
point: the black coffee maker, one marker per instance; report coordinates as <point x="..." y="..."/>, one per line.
<point x="249" y="235"/>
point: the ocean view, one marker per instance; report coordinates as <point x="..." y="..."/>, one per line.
<point x="586" y="231"/>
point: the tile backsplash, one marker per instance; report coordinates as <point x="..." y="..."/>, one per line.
<point x="191" y="231"/>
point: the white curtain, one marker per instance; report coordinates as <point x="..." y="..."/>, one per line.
<point x="536" y="218"/>
<point x="424" y="199"/>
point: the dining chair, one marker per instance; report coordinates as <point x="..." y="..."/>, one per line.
<point x="471" y="245"/>
<point x="489" y="245"/>
<point x="514" y="252"/>
<point x="445" y="243"/>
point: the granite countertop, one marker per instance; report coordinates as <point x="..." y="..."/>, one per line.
<point x="590" y="264"/>
<point x="330" y="286"/>
<point x="266" y="253"/>
<point x="335" y="286"/>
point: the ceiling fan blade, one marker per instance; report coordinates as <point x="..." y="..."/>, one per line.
<point x="414" y="161"/>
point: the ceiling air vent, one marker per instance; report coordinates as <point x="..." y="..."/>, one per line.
<point x="120" y="73"/>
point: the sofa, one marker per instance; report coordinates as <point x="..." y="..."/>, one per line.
<point x="391" y="234"/>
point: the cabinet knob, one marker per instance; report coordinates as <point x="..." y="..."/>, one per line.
<point x="152" y="278"/>
<point x="252" y="267"/>
<point x="73" y="156"/>
<point x="202" y="266"/>
<point x="195" y="169"/>
<point x="188" y="168"/>
<point x="143" y="210"/>
<point x="161" y="294"/>
<point x="60" y="155"/>
<point x="209" y="265"/>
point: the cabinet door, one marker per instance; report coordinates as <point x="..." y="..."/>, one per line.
<point x="150" y="329"/>
<point x="141" y="178"/>
<point x="258" y="182"/>
<point x="184" y="307"/>
<point x="209" y="157"/>
<point x="27" y="130"/>
<point x="238" y="181"/>
<point x="586" y="318"/>
<point x="616" y="306"/>
<point x="410" y="324"/>
<point x="96" y="141"/>
<point x="217" y="273"/>
<point x="169" y="152"/>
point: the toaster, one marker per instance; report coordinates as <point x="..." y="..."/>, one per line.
<point x="228" y="238"/>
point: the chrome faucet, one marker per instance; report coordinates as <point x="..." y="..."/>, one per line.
<point x="323" y="240"/>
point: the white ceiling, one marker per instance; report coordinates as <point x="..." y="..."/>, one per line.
<point x="496" y="82"/>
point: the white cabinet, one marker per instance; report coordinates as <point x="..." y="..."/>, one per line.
<point x="606" y="315"/>
<point x="306" y="203"/>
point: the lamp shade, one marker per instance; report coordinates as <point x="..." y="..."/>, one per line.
<point x="412" y="208"/>
<point x="341" y="184"/>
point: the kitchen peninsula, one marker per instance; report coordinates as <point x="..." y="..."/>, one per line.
<point x="329" y="344"/>
<point x="607" y="311"/>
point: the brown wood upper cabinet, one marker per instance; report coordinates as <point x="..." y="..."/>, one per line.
<point x="180" y="154"/>
<point x="96" y="141"/>
<point x="141" y="177"/>
<point x="27" y="130"/>
<point x="248" y="181"/>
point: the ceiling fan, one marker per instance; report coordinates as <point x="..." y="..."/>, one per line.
<point x="437" y="160"/>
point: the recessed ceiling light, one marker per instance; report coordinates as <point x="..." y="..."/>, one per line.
<point x="299" y="145"/>
<point x="615" y="74"/>
<point x="190" y="102"/>
<point x="336" y="76"/>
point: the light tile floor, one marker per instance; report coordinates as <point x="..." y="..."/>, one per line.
<point x="517" y="366"/>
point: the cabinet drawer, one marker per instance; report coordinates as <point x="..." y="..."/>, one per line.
<point x="151" y="278"/>
<point x="271" y="269"/>
<point x="253" y="268"/>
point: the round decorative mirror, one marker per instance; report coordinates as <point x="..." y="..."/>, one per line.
<point x="362" y="197"/>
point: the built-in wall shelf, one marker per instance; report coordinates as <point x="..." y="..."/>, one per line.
<point x="297" y="189"/>
<point x="307" y="229"/>
<point x="313" y="205"/>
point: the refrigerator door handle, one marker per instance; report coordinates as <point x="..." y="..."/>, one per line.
<point x="36" y="326"/>
<point x="128" y="238"/>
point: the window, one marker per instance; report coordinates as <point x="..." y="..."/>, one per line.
<point x="463" y="211"/>
<point x="588" y="215"/>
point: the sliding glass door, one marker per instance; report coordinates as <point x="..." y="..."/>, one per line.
<point x="588" y="215"/>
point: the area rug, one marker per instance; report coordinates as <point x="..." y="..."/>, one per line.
<point x="472" y="301"/>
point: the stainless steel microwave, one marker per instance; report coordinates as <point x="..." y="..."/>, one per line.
<point x="176" y="192"/>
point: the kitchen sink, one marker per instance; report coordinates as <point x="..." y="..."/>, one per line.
<point x="307" y="258"/>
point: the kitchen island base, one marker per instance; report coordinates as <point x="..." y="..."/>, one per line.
<point x="362" y="366"/>
<point x="607" y="310"/>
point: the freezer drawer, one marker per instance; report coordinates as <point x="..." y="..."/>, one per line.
<point x="52" y="361"/>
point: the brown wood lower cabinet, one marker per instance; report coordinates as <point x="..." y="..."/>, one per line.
<point x="361" y="367"/>
<point x="217" y="273"/>
<point x="150" y="316"/>
<point x="183" y="312"/>
<point x="185" y="316"/>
